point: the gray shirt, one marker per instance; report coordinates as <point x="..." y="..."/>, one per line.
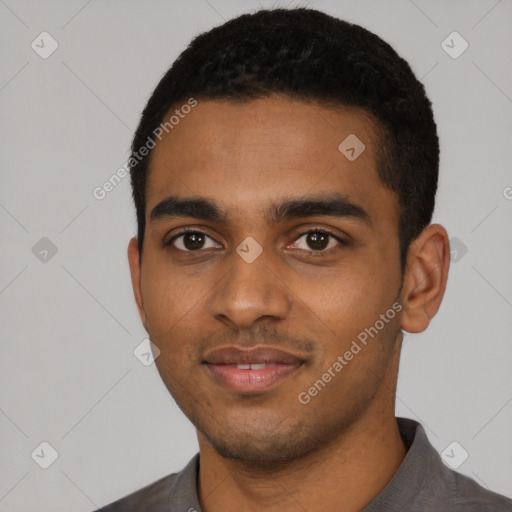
<point x="422" y="483"/>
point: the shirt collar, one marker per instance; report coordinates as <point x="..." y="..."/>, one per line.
<point x="183" y="495"/>
<point x="420" y="465"/>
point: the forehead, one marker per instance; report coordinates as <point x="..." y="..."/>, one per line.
<point x="246" y="155"/>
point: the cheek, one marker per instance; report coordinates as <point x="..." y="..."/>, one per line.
<point x="350" y="297"/>
<point x="168" y="300"/>
<point x="171" y="322"/>
<point x="175" y="303"/>
<point x="167" y="291"/>
<point x="345" y="308"/>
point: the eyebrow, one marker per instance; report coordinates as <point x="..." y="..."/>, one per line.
<point x="333" y="205"/>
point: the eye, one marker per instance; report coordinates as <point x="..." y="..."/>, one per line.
<point x="314" y="240"/>
<point x="192" y="240"/>
<point x="317" y="240"/>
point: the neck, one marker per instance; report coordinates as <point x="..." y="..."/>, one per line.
<point x="349" y="472"/>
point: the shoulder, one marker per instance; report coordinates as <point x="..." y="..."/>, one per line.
<point x="424" y="482"/>
<point x="463" y="494"/>
<point x="154" y="496"/>
<point x="449" y="490"/>
<point x="176" y="491"/>
<point x="470" y="495"/>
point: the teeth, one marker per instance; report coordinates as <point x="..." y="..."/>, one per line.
<point x="254" y="366"/>
<point x="258" y="366"/>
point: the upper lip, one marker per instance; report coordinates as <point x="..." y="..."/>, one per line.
<point x="255" y="355"/>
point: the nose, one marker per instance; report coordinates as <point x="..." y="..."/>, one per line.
<point x="250" y="292"/>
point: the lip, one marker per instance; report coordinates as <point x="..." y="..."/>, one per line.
<point x="273" y="366"/>
<point x="260" y="354"/>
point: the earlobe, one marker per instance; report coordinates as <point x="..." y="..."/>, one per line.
<point x="426" y="272"/>
<point x="135" y="272"/>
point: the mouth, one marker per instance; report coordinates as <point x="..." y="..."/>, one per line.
<point x="251" y="370"/>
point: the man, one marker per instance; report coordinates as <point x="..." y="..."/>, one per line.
<point x="284" y="175"/>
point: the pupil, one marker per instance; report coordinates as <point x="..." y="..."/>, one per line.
<point x="317" y="241"/>
<point x="193" y="241"/>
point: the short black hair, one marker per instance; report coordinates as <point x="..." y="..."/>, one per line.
<point x="309" y="55"/>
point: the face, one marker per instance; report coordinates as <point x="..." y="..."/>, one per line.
<point x="290" y="246"/>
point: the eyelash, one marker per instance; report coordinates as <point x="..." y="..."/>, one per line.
<point x="322" y="231"/>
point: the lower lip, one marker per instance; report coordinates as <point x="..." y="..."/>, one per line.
<point x="251" y="381"/>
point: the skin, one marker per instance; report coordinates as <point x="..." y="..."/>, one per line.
<point x="269" y="451"/>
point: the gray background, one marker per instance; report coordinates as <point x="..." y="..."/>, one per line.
<point x="69" y="324"/>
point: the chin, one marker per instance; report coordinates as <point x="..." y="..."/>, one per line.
<point x="263" y="446"/>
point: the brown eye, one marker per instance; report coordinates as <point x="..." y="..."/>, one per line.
<point x="191" y="241"/>
<point x="317" y="241"/>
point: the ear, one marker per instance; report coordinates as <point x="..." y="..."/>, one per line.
<point x="135" y="271"/>
<point x="426" y="273"/>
